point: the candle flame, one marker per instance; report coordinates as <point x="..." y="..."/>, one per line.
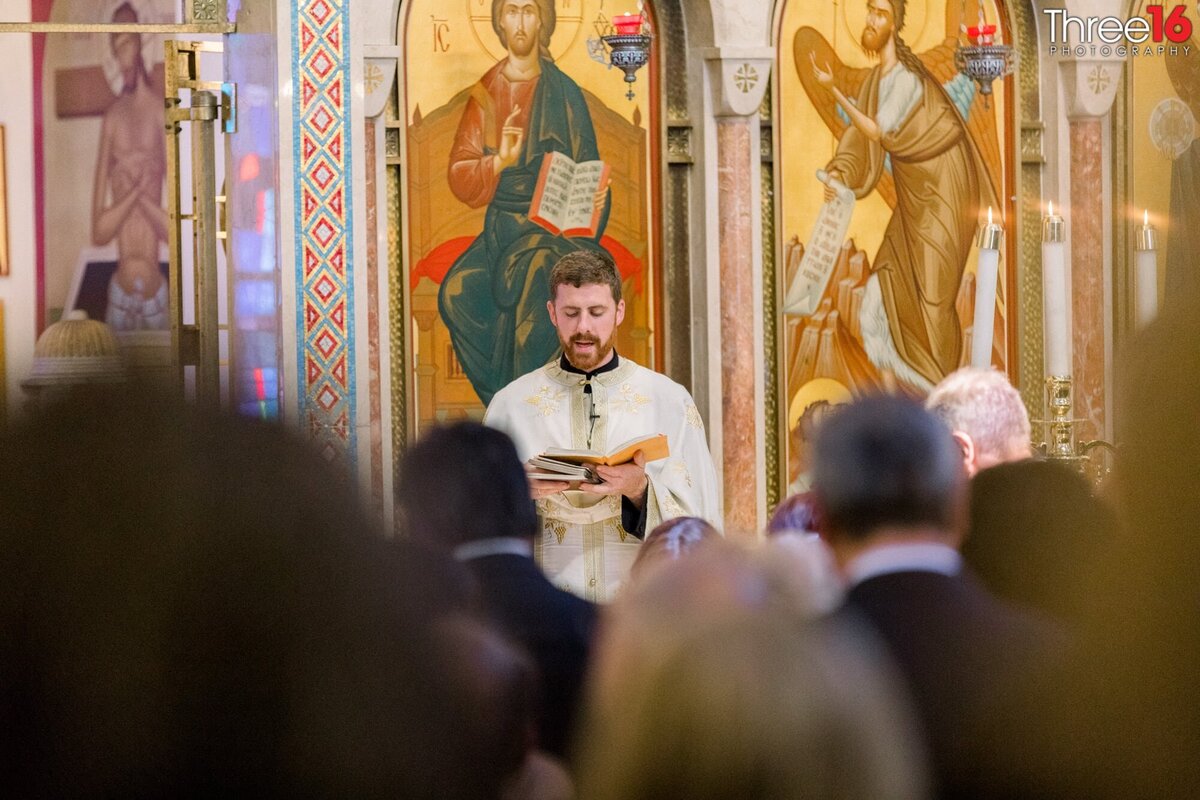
<point x="1050" y="213"/>
<point x="1146" y="216"/>
<point x="989" y="215"/>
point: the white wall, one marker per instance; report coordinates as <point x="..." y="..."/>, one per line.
<point x="18" y="291"/>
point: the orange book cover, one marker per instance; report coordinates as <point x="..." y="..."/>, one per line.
<point x="653" y="447"/>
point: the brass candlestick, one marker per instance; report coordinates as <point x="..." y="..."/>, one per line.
<point x="1060" y="443"/>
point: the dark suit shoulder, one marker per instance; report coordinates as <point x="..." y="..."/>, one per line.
<point x="515" y="591"/>
<point x="960" y="595"/>
<point x="963" y="654"/>
<point x="554" y="626"/>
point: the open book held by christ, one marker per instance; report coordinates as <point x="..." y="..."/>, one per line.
<point x="558" y="464"/>
<point x="564" y="201"/>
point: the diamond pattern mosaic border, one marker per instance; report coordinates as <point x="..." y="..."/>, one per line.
<point x="324" y="264"/>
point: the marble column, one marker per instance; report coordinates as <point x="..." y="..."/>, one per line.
<point x="739" y="419"/>
<point x="1088" y="306"/>
<point x="1089" y="88"/>
<point x="739" y="79"/>
<point x="379" y="74"/>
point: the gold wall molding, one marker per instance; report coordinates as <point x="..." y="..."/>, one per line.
<point x="397" y="330"/>
<point x="772" y="366"/>
<point x="679" y="144"/>
<point x="1033" y="143"/>
<point x="1028" y="373"/>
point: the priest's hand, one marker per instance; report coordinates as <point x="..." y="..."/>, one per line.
<point x="628" y="480"/>
<point x="539" y="489"/>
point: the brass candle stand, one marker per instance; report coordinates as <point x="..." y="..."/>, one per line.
<point x="1060" y="444"/>
<point x="1060" y="438"/>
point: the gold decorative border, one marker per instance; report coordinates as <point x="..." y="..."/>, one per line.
<point x="677" y="166"/>
<point x="1124" y="323"/>
<point x="397" y="330"/>
<point x="772" y="391"/>
<point x="1029" y="372"/>
<point x="673" y="35"/>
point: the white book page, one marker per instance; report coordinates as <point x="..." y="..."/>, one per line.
<point x="556" y="195"/>
<point x="581" y="204"/>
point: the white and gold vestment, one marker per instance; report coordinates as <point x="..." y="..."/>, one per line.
<point x="583" y="547"/>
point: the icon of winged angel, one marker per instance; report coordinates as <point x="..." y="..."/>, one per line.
<point x="914" y="130"/>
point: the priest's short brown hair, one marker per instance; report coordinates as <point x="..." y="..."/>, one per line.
<point x="584" y="267"/>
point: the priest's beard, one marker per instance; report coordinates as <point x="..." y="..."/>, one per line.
<point x="593" y="357"/>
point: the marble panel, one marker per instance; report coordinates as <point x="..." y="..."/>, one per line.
<point x="1087" y="275"/>
<point x="737" y="143"/>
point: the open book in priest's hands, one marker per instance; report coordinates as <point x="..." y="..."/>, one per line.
<point x="558" y="464"/>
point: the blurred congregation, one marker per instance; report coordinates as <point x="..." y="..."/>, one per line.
<point x="199" y="605"/>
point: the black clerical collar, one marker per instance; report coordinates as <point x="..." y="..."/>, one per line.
<point x="567" y="366"/>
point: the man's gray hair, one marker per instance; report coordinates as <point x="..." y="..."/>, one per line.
<point x="984" y="405"/>
<point x="883" y="462"/>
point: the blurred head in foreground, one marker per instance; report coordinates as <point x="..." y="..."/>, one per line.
<point x="1031" y="522"/>
<point x="669" y="542"/>
<point x="463" y="482"/>
<point x="711" y="684"/>
<point x="196" y="606"/>
<point x="1122" y="718"/>
<point x="1144" y="629"/>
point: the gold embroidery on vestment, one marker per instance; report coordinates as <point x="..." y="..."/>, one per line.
<point x="680" y="468"/>
<point x="628" y="400"/>
<point x="559" y="529"/>
<point x="547" y="400"/>
<point x="671" y="507"/>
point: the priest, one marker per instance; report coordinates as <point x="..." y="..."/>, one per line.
<point x="591" y="398"/>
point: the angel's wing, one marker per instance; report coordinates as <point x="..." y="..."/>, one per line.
<point x="981" y="121"/>
<point x="809" y="45"/>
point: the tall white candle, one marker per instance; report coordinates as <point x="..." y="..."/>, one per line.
<point x="986" y="274"/>
<point x="1054" y="281"/>
<point x="1146" y="272"/>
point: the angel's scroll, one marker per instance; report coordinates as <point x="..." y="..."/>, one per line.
<point x="821" y="254"/>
